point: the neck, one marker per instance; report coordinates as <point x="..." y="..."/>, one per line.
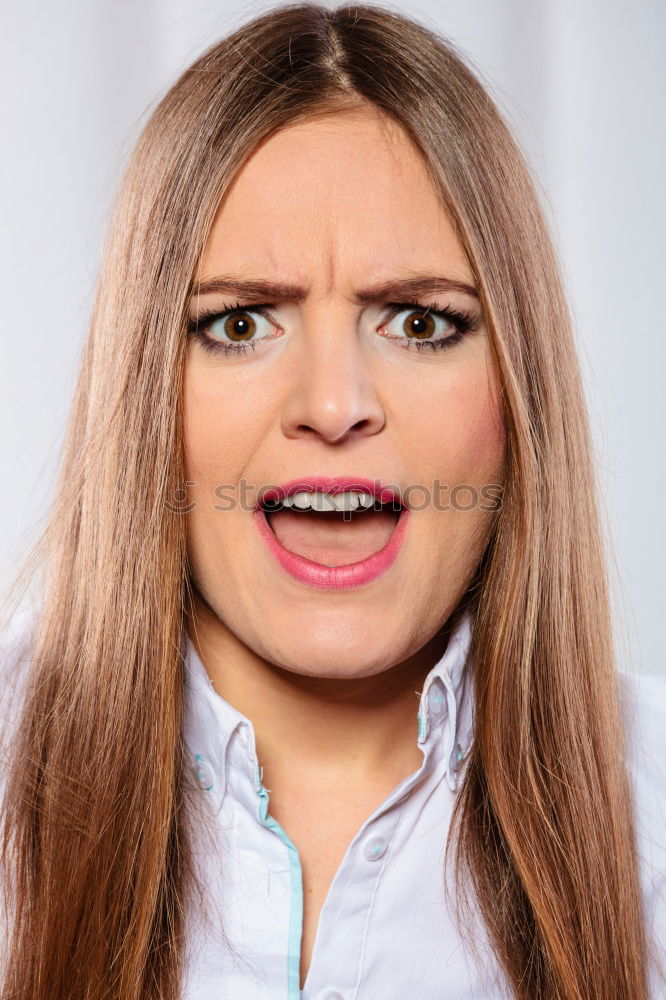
<point x="362" y="728"/>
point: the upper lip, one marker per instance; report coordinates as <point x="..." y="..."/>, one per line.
<point x="331" y="484"/>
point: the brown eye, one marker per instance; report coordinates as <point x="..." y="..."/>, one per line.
<point x="419" y="325"/>
<point x="236" y="326"/>
<point x="425" y="326"/>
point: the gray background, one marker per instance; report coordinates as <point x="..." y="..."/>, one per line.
<point x="582" y="83"/>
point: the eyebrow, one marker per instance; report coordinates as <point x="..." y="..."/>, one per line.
<point x="397" y="288"/>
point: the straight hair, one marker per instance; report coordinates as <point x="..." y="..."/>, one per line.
<point x="98" y="866"/>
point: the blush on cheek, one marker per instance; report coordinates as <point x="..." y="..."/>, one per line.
<point x="490" y="442"/>
<point x="203" y="444"/>
<point x="482" y="415"/>
<point x="472" y="440"/>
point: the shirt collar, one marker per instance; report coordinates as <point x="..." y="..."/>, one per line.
<point x="208" y="724"/>
<point x="447" y="694"/>
<point x="209" y="721"/>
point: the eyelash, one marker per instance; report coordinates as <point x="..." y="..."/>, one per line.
<point x="462" y="321"/>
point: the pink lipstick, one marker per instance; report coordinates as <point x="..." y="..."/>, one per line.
<point x="316" y="574"/>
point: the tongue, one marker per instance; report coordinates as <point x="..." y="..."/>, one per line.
<point x="327" y="538"/>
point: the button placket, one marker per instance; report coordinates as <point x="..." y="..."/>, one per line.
<point x="358" y="870"/>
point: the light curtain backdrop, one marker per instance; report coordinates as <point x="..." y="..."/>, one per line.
<point x="583" y="84"/>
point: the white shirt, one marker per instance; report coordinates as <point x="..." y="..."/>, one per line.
<point x="385" y="931"/>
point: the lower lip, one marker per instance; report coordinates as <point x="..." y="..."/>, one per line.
<point x="334" y="577"/>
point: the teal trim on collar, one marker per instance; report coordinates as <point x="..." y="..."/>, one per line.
<point x="296" y="911"/>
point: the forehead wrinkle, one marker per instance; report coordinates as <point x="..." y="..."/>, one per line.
<point x="322" y="246"/>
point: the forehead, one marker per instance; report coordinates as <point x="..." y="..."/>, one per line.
<point x="348" y="191"/>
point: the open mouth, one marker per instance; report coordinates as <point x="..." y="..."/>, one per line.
<point x="333" y="537"/>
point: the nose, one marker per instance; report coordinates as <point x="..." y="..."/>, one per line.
<point x="331" y="395"/>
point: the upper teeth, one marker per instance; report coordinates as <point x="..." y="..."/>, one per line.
<point x="350" y="500"/>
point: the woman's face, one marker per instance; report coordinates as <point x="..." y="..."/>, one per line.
<point x="332" y="383"/>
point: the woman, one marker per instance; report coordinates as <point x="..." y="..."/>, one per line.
<point x="325" y="587"/>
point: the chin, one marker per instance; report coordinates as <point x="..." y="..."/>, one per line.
<point x="333" y="659"/>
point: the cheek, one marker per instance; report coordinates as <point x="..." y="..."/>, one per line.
<point x="201" y="419"/>
<point x="465" y="437"/>
<point x="221" y="424"/>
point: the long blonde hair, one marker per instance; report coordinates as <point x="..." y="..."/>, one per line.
<point x="96" y="842"/>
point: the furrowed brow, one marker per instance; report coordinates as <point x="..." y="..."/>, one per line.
<point x="414" y="287"/>
<point x="398" y="288"/>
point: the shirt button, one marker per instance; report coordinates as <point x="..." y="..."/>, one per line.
<point x="457" y="752"/>
<point x="374" y="848"/>
<point x="203" y="773"/>
<point x="435" y="700"/>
